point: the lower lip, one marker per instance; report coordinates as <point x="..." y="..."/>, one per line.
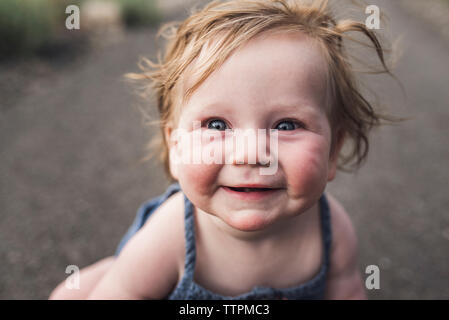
<point x="252" y="195"/>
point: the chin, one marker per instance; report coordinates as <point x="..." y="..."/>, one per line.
<point x="248" y="221"/>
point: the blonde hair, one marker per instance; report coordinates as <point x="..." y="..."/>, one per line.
<point x="233" y="23"/>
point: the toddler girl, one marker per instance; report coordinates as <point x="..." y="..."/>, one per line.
<point x="226" y="229"/>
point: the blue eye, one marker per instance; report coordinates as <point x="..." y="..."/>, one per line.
<point x="287" y="125"/>
<point x="217" y="124"/>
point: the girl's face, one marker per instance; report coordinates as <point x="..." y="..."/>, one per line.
<point x="275" y="81"/>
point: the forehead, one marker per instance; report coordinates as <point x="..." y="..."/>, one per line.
<point x="270" y="68"/>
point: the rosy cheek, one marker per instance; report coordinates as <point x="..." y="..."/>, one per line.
<point x="305" y="167"/>
<point x="200" y="177"/>
<point x="199" y="171"/>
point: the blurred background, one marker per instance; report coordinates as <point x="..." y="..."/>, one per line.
<point x="72" y="136"/>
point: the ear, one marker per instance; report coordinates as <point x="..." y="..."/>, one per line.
<point x="173" y="152"/>
<point x="333" y="158"/>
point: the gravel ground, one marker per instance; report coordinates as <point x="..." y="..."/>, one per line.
<point x="71" y="181"/>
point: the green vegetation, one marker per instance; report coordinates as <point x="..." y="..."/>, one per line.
<point x="28" y="25"/>
<point x="139" y="12"/>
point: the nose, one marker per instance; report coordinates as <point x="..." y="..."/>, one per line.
<point x="250" y="148"/>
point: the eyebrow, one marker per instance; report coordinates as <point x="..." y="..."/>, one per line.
<point x="287" y="106"/>
<point x="296" y="108"/>
<point x="204" y="108"/>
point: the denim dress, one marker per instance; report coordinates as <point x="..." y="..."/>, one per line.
<point x="188" y="289"/>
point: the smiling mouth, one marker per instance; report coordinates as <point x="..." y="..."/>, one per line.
<point x="251" y="193"/>
<point x="244" y="189"/>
